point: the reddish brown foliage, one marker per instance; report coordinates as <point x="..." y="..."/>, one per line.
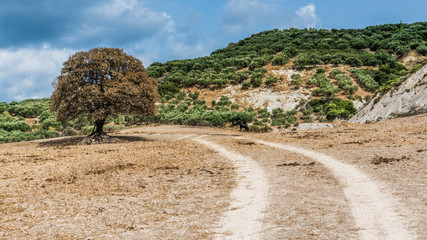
<point x="103" y="82"/>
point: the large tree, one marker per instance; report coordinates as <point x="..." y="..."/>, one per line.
<point x="103" y="82"/>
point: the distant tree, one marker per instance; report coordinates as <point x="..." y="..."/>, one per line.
<point x="102" y="82"/>
<point x="422" y="49"/>
<point x="296" y="80"/>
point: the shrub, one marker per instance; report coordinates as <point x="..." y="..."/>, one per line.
<point x="345" y="83"/>
<point x="69" y="131"/>
<point x="256" y="80"/>
<point x="50" y="124"/>
<point x="246" y="85"/>
<point x="194" y="95"/>
<point x="365" y="78"/>
<point x="422" y="49"/>
<point x="260" y="129"/>
<point x="224" y="101"/>
<point x="335" y="72"/>
<point x="280" y="59"/>
<point x="168" y="87"/>
<point x="181" y="95"/>
<point x="296" y="80"/>
<point x="271" y="80"/>
<point x="14" y="125"/>
<point x="234" y="106"/>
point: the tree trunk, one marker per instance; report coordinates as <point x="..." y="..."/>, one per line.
<point x="98" y="129"/>
<point x="98" y="135"/>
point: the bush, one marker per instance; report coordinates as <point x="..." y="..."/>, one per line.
<point x="246" y="85"/>
<point x="346" y="84"/>
<point x="14" y="125"/>
<point x="256" y="80"/>
<point x="69" y="131"/>
<point x="296" y="80"/>
<point x="365" y="78"/>
<point x="271" y="80"/>
<point x="224" y="101"/>
<point x="260" y="129"/>
<point x="280" y="59"/>
<point x="194" y="95"/>
<point x="50" y="124"/>
<point x="332" y="108"/>
<point x="29" y="108"/>
<point x="422" y="49"/>
<point x="168" y="87"/>
<point x="335" y="72"/>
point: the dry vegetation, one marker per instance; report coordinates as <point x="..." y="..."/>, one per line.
<point x="142" y="189"/>
<point x="158" y="184"/>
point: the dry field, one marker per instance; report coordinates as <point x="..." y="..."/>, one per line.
<point x="160" y="183"/>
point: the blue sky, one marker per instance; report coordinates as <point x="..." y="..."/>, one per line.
<point x="37" y="36"/>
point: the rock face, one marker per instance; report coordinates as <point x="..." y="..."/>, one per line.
<point x="408" y="98"/>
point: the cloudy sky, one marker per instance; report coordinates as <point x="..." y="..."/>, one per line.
<point x="37" y="36"/>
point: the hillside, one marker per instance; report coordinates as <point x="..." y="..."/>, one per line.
<point x="276" y="78"/>
<point x="313" y="75"/>
<point x="407" y="98"/>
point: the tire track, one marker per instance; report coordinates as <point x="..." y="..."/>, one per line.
<point x="250" y="197"/>
<point x="372" y="208"/>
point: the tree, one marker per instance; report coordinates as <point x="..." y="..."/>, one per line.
<point x="102" y="82"/>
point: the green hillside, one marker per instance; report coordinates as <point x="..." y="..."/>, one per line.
<point x="373" y="46"/>
<point x="373" y="57"/>
<point x="339" y="65"/>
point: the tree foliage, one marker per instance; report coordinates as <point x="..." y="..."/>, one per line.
<point x="103" y="82"/>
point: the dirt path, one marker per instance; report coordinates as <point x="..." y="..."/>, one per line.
<point x="244" y="218"/>
<point x="373" y="209"/>
<point x="372" y="206"/>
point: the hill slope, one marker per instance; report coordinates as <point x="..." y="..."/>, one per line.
<point x="318" y="75"/>
<point x="408" y="98"/>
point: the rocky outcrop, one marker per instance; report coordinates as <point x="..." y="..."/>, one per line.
<point x="408" y="98"/>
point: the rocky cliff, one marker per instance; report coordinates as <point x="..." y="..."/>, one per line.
<point x="408" y="98"/>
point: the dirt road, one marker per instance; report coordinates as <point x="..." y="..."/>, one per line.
<point x="349" y="182"/>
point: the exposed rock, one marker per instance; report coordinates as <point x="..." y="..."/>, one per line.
<point x="266" y="98"/>
<point x="310" y="126"/>
<point x="408" y="98"/>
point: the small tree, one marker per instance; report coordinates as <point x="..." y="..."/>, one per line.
<point x="102" y="82"/>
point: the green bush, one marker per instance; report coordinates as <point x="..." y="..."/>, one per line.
<point x="365" y="78"/>
<point x="29" y="108"/>
<point x="346" y="84"/>
<point x="280" y="59"/>
<point x="296" y="80"/>
<point x="168" y="87"/>
<point x="246" y="85"/>
<point x="50" y="124"/>
<point x="422" y="49"/>
<point x="13" y="125"/>
<point x="332" y="108"/>
<point x="335" y="72"/>
<point x="271" y="80"/>
<point x="69" y="131"/>
<point x="234" y="106"/>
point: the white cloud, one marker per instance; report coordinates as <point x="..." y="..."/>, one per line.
<point x="29" y="72"/>
<point x="240" y="15"/>
<point x="306" y="17"/>
<point x="121" y="22"/>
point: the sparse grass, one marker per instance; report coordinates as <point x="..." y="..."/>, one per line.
<point x="148" y="189"/>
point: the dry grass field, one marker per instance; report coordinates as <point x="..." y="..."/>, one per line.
<point x="136" y="190"/>
<point x="157" y="183"/>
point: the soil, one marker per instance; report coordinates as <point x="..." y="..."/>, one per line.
<point x="176" y="182"/>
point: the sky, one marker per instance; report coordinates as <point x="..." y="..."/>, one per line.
<point x="37" y="36"/>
